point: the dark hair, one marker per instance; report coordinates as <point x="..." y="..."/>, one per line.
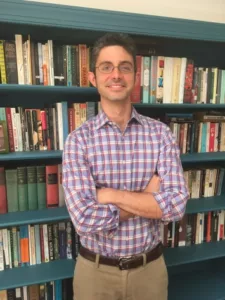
<point x="113" y="39"/>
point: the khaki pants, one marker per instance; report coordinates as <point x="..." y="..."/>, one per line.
<point x="100" y="282"/>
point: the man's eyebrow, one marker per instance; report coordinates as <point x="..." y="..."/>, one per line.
<point x="122" y="61"/>
<point x="105" y="61"/>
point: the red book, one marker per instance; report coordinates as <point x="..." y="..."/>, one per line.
<point x="3" y="198"/>
<point x="52" y="192"/>
<point x="10" y="128"/>
<point x="136" y="93"/>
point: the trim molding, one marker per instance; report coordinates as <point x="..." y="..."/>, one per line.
<point x="63" y="16"/>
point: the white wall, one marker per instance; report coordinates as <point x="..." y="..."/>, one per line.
<point x="204" y="10"/>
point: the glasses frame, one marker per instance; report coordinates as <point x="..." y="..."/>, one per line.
<point x="113" y="67"/>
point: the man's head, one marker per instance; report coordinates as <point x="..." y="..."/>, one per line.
<point x="113" y="67"/>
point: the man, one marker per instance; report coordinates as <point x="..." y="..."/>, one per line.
<point x="122" y="178"/>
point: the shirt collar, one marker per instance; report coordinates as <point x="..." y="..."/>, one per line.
<point x="102" y="119"/>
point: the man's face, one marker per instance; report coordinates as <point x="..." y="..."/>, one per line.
<point x="116" y="85"/>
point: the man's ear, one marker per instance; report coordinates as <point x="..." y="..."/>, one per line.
<point x="91" y="78"/>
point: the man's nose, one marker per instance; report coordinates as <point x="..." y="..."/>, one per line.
<point x="116" y="73"/>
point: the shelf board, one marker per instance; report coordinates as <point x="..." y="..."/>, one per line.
<point x="57" y="154"/>
<point x="6" y="89"/>
<point x="54" y="270"/>
<point x="182" y="107"/>
<point x="195" y="253"/>
<point x="34" y="216"/>
<point x="38" y="96"/>
<point x="207" y="285"/>
<point x="203" y="157"/>
<point x="205" y="204"/>
<point x="31" y="155"/>
<point x="51" y="94"/>
<point x="61" y="213"/>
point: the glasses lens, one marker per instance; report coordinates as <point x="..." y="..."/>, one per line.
<point x="126" y="68"/>
<point x="105" y="68"/>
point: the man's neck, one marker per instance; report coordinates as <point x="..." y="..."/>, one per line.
<point x="118" y="113"/>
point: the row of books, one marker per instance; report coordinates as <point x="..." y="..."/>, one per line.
<point x="205" y="182"/>
<point x="24" y="61"/>
<point x="33" y="244"/>
<point x="194" y="229"/>
<point x="161" y="79"/>
<point x="24" y="129"/>
<point x="52" y="290"/>
<point x="48" y="128"/>
<point x="178" y="80"/>
<point x="38" y="187"/>
<point x="197" y="132"/>
<point x="31" y="187"/>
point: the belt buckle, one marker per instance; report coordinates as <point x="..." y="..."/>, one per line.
<point x="122" y="262"/>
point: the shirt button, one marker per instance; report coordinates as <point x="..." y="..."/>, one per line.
<point x="111" y="235"/>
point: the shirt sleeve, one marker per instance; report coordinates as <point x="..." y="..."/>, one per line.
<point x="87" y="215"/>
<point x="173" y="194"/>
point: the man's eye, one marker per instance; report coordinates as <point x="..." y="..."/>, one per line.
<point x="107" y="67"/>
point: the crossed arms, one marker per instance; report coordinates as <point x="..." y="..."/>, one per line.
<point x="94" y="210"/>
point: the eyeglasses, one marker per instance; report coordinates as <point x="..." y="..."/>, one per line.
<point x="108" y="67"/>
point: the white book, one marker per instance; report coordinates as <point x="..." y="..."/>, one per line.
<point x="45" y="237"/>
<point x="5" y="246"/>
<point x="51" y="63"/>
<point x="9" y="249"/>
<point x="19" y="58"/>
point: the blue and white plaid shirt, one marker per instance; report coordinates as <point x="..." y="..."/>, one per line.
<point x="98" y="154"/>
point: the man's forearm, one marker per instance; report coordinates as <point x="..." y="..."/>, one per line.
<point x="138" y="203"/>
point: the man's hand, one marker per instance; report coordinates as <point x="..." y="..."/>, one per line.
<point x="153" y="185"/>
<point x="105" y="194"/>
<point x="125" y="215"/>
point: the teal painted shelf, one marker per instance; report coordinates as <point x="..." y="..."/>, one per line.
<point x="195" y="253"/>
<point x="197" y="285"/>
<point x="38" y="96"/>
<point x="205" y="204"/>
<point x="96" y="20"/>
<point x="61" y="213"/>
<point x="31" y="155"/>
<point x="179" y="108"/>
<point x="203" y="157"/>
<point x="6" y="89"/>
<point x="34" y="216"/>
<point x="185" y="158"/>
<point x="48" y="94"/>
<point x="54" y="270"/>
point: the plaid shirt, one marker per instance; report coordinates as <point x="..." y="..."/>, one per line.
<point x="98" y="154"/>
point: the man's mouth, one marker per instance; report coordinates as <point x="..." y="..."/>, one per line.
<point x="116" y="86"/>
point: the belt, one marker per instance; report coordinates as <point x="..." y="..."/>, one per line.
<point x="124" y="263"/>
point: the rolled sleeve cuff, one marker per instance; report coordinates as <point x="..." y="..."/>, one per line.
<point x="161" y="199"/>
<point x="116" y="212"/>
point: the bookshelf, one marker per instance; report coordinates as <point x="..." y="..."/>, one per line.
<point x="194" y="271"/>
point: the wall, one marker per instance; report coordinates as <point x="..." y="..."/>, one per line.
<point x="204" y="10"/>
